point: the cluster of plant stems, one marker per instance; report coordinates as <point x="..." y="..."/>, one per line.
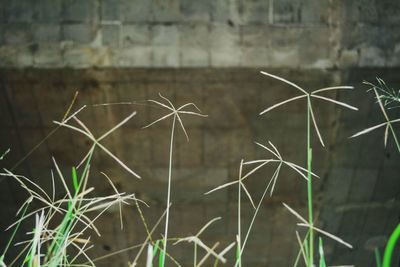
<point x="53" y="240"/>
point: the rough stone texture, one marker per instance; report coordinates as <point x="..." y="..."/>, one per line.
<point x="357" y="197"/>
<point x="224" y="33"/>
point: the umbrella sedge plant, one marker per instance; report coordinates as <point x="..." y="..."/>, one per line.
<point x="176" y="114"/>
<point x="306" y="245"/>
<point x="387" y="98"/>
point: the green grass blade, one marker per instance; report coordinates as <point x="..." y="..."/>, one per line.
<point x="322" y="262"/>
<point x="2" y="157"/>
<point x="378" y="259"/>
<point x="161" y="259"/>
<point x="156" y="248"/>
<point x="238" y="258"/>
<point x="309" y="186"/>
<point x="387" y="257"/>
<point x="75" y="180"/>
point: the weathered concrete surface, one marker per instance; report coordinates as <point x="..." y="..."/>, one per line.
<point x="357" y="196"/>
<point x="190" y="33"/>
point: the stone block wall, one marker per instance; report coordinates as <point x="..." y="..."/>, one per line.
<point x="207" y="33"/>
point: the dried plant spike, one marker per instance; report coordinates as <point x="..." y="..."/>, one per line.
<point x="295" y="213"/>
<point x="304" y="223"/>
<point x="268" y="149"/>
<point x="384" y="97"/>
<point x="339" y="240"/>
<point x="116" y="191"/>
<point x="370" y="129"/>
<point x="207" y="225"/>
<point x="335" y="102"/>
<point x="175" y="112"/>
<point x="285" y="81"/>
<point x="332" y="88"/>
<point x="116" y="126"/>
<point x="316" y="127"/>
<point x="313" y="94"/>
<point x="4" y="154"/>
<point x="386" y="135"/>
<point x="220" y="187"/>
<point x="248" y="194"/>
<point x="85" y="131"/>
<point x="282" y="103"/>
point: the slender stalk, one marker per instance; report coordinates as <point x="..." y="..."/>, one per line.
<point x="239" y="259"/>
<point x="14" y="232"/>
<point x="276" y="173"/>
<point x="378" y="260"/>
<point x="169" y="188"/>
<point x="195" y="255"/>
<point x="309" y="185"/>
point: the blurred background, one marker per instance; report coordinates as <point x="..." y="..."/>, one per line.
<point x="210" y="53"/>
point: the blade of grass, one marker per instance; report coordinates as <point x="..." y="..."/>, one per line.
<point x="393" y="239"/>
<point x="322" y="262"/>
<point x="378" y="260"/>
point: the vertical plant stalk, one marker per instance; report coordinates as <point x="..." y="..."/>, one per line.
<point x="169" y="188"/>
<point x="174" y="112"/>
<point x="195" y="255"/>
<point x="239" y="254"/>
<point x="378" y="260"/>
<point x="309" y="186"/>
<point x="14" y="232"/>
<point x="310" y="115"/>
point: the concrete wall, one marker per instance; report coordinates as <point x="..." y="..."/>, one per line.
<point x="124" y="50"/>
<point x="189" y="33"/>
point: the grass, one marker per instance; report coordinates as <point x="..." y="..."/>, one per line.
<point x="61" y="235"/>
<point x="311" y="120"/>
<point x="387" y="98"/>
<point x="175" y="114"/>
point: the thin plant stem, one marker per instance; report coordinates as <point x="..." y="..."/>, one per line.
<point x="309" y="186"/>
<point x="377" y="257"/>
<point x="239" y="259"/>
<point x="195" y="255"/>
<point x="169" y="187"/>
<point x="274" y="176"/>
<point x="15" y="231"/>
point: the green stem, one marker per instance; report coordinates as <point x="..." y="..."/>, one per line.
<point x="387" y="256"/>
<point x="239" y="258"/>
<point x="309" y="185"/>
<point x="169" y="189"/>
<point x="378" y="260"/>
